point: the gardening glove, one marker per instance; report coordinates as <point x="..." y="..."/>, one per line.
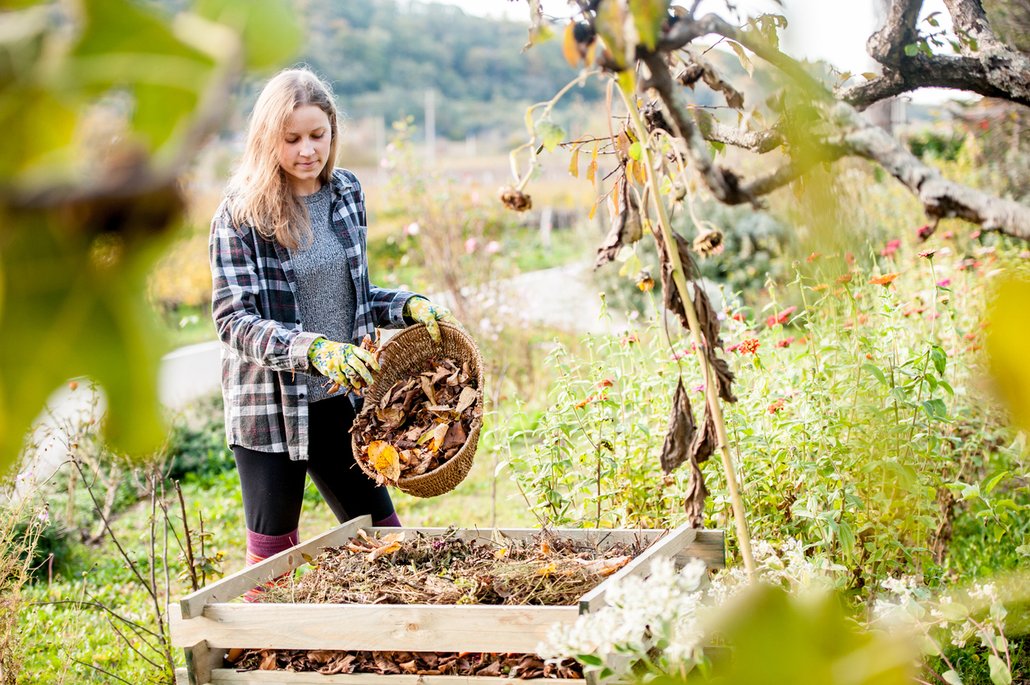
<point x="344" y="364"/>
<point x="426" y="313"/>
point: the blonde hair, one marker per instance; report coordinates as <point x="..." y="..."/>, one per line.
<point x="259" y="192"/>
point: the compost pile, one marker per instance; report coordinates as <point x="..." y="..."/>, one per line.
<point x="413" y="568"/>
<point x="330" y="662"/>
<point x="420" y="423"/>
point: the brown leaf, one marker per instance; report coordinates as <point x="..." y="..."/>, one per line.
<point x="626" y="229"/>
<point x="680" y="432"/>
<point x="454" y="438"/>
<point x="343" y="663"/>
<point x="696" y="495"/>
<point x="492" y="669"/>
<point x="467" y="397"/>
<point x="706" y="316"/>
<point x="439" y="435"/>
<point x="670" y="294"/>
<point x="705" y="440"/>
<point x="268" y="660"/>
<point x="723" y="377"/>
<point x="427" y="388"/>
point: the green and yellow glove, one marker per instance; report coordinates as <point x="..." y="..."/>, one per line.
<point x="426" y="313"/>
<point x="344" y="364"/>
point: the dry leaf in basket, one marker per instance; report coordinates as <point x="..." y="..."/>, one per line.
<point x="421" y="422"/>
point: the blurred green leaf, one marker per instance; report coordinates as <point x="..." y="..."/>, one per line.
<point x="611" y="26"/>
<point x="550" y="134"/>
<point x="73" y="307"/>
<point x="122" y="45"/>
<point x="270" y="31"/>
<point x="1000" y="674"/>
<point x="778" y="639"/>
<point x="1007" y="333"/>
<point x="649" y="15"/>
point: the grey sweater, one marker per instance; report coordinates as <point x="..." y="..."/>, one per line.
<point x="325" y="290"/>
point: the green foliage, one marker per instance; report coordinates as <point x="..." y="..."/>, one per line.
<point x="932" y="145"/>
<point x="100" y="125"/>
<point x="196" y="447"/>
<point x="857" y="418"/>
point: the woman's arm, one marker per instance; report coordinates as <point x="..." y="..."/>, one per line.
<point x="234" y="305"/>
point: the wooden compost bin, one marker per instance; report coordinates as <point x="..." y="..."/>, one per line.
<point x="208" y="622"/>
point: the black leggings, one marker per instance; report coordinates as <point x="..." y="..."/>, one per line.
<point x="273" y="484"/>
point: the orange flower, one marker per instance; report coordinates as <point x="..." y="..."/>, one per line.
<point x="776" y="406"/>
<point x="749" y="346"/>
<point x="885" y="279"/>
<point x="844" y="278"/>
<point x="818" y="288"/>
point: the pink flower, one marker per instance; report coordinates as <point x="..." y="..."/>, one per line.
<point x="944" y="283"/>
<point x="412" y="229"/>
<point x="470" y="245"/>
<point x="924" y="231"/>
<point x="785" y="342"/>
<point x="891" y="247"/>
<point x="928" y="254"/>
<point x="780" y="318"/>
<point x="493" y="247"/>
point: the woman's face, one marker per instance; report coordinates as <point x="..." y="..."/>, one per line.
<point x="304" y="148"/>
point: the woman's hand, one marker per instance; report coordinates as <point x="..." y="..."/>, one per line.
<point x="349" y="366"/>
<point x="426" y="313"/>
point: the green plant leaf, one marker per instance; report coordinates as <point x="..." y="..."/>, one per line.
<point x="936" y="409"/>
<point x="952" y="677"/>
<point x="911" y="49"/>
<point x="270" y="31"/>
<point x="610" y="24"/>
<point x="1000" y="674"/>
<point x="648" y="16"/>
<point x="550" y="134"/>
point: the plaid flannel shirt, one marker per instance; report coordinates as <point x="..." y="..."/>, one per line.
<point x="264" y="344"/>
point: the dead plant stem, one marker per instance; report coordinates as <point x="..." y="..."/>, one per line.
<point x="700" y="346"/>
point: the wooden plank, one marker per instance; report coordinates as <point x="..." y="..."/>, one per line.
<point x="407" y="627"/>
<point x="236" y="584"/>
<point x="709" y="546"/>
<point x="230" y="677"/>
<point x="668" y="546"/>
<point x="200" y="661"/>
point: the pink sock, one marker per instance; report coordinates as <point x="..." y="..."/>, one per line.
<point x="390" y="521"/>
<point x="260" y="547"/>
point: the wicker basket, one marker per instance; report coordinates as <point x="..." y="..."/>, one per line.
<point x="404" y="354"/>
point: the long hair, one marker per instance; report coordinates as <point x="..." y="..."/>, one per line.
<point x="258" y="192"/>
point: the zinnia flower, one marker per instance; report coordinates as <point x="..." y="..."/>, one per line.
<point x="884" y="280"/>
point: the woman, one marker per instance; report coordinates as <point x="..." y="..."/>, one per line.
<point x="291" y="297"/>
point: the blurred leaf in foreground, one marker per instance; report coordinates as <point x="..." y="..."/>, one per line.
<point x="1008" y="331"/>
<point x="104" y="103"/>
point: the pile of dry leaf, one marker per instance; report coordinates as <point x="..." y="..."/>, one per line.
<point x="330" y="662"/>
<point x="413" y="568"/>
<point x="408" y="567"/>
<point x="420" y="423"/>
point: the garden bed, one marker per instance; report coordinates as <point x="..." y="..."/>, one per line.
<point x="209" y="622"/>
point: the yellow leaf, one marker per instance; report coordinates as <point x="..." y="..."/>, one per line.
<point x="439" y="433"/>
<point x="1008" y="329"/>
<point x="501" y="553"/>
<point x="547" y="570"/>
<point x="574" y="163"/>
<point x="745" y="61"/>
<point x="568" y="45"/>
<point x="385" y="460"/>
<point x="592" y="168"/>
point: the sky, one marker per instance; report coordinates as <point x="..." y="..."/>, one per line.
<point x="832" y="30"/>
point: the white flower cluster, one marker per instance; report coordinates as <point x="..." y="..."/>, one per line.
<point x="640" y="613"/>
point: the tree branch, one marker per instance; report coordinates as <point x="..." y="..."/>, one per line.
<point x="940" y="71"/>
<point x="755" y="141"/>
<point x="722" y="183"/>
<point x="987" y="66"/>
<point x="940" y="197"/>
<point x="887" y="46"/>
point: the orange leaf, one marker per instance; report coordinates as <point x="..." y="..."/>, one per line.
<point x="385" y="460"/>
<point x="568" y="45"/>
